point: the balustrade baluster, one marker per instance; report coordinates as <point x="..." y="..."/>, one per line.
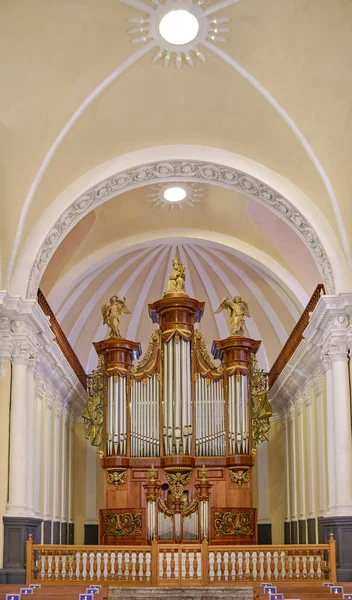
<point x="161" y="563"/>
<point x="254" y="566"/>
<point x="71" y="560"/>
<point x="199" y="565"/>
<point x="226" y="566"/>
<point x="112" y="565"/>
<point x="218" y="562"/>
<point x="318" y="569"/>
<point x="304" y="566"/>
<point x="311" y="561"/>
<point x="261" y="566"/>
<point x="168" y="564"/>
<point x="240" y="566"/>
<point x="268" y="566"/>
<point x="247" y="558"/>
<point x="148" y="559"/>
<point x="133" y="562"/>
<point x="297" y="570"/>
<point x="106" y="565"/>
<point x="277" y="566"/>
<point x="211" y="566"/>
<point x="50" y="563"/>
<point x="176" y="564"/>
<point x="127" y="564"/>
<point x="140" y="565"/>
<point x="89" y="568"/>
<point x="290" y="565"/>
<point x="98" y="566"/>
<point x="60" y="565"/>
<point x="64" y="563"/>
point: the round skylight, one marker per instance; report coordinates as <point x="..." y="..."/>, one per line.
<point x="174" y="194"/>
<point x="179" y="27"/>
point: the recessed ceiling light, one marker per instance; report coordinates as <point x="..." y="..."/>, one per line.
<point x="174" y="194"/>
<point x="179" y="27"/>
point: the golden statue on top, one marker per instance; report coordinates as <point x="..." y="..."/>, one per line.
<point x="176" y="283"/>
<point x="112" y="315"/>
<point x="238" y="310"/>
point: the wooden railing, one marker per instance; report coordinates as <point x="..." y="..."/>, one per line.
<point x="162" y="564"/>
<point x="295" y="337"/>
<point x="62" y="340"/>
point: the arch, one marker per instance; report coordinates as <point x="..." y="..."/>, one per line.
<point x="233" y="172"/>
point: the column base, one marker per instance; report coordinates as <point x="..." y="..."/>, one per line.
<point x="91" y="534"/>
<point x="311" y="527"/>
<point x="47" y="532"/>
<point x="341" y="527"/>
<point x="264" y="533"/>
<point x="16" y="532"/>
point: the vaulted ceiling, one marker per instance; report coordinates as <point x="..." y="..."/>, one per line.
<point x="83" y="110"/>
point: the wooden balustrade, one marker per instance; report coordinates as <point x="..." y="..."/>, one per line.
<point x="162" y="564"/>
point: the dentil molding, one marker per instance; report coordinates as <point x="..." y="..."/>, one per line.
<point x="26" y="338"/>
<point x="187" y="171"/>
<point x="327" y="338"/>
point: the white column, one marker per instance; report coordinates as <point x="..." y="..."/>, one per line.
<point x="321" y="445"/>
<point x="71" y="426"/>
<point x="293" y="464"/>
<point x="39" y="411"/>
<point x="64" y="464"/>
<point x="263" y="484"/>
<point x="91" y="485"/>
<point x="330" y="433"/>
<point x="342" y="426"/>
<point x="49" y="401"/>
<point x="30" y="434"/>
<point x="310" y="434"/>
<point x="56" y="461"/>
<point x="302" y="507"/>
<point x="285" y="425"/>
<point x="17" y="504"/>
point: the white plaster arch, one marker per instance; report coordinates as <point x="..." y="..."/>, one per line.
<point x="45" y="238"/>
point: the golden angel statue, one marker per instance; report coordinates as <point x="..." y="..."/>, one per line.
<point x="176" y="283"/>
<point x="238" y="310"/>
<point x="112" y="315"/>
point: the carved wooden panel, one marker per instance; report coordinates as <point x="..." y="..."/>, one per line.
<point x="126" y="525"/>
<point x="233" y="526"/>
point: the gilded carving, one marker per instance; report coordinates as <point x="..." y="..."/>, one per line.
<point x="177" y="482"/>
<point x="261" y="407"/>
<point x="93" y="413"/>
<point x="238" y="310"/>
<point x="117" y="478"/>
<point x="112" y="315"/>
<point x="239" y="475"/>
<point x="203" y="362"/>
<point x="150" y="362"/>
<point x="122" y="524"/>
<point x="233" y="523"/>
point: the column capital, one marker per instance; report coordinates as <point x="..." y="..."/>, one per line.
<point x="317" y="384"/>
<point x="40" y="388"/>
<point x="49" y="399"/>
<point x="299" y="403"/>
<point x="22" y="353"/>
<point x="308" y="395"/>
<point x="337" y="348"/>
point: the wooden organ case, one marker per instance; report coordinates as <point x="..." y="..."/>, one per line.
<point x="176" y="432"/>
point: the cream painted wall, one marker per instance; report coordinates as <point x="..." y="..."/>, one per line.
<point x="276" y="480"/>
<point x="5" y="387"/>
<point x="79" y="481"/>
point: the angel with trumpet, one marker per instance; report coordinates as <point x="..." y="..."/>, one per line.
<point x="112" y="315"/>
<point x="238" y="310"/>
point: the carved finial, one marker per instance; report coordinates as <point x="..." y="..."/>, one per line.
<point x="153" y="474"/>
<point x="203" y="472"/>
<point x="30" y="538"/>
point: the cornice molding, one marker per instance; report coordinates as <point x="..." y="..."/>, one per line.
<point x="187" y="171"/>
<point x="326" y="339"/>
<point x="26" y="337"/>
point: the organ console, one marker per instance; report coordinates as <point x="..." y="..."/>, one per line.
<point x="177" y="432"/>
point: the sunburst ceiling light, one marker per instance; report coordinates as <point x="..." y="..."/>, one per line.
<point x="180" y="195"/>
<point x="178" y="26"/>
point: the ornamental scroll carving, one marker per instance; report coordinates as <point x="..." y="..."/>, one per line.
<point x="187" y="171"/>
<point x="203" y="362"/>
<point x="233" y="523"/>
<point x="93" y="413"/>
<point x="150" y="362"/>
<point x="122" y="524"/>
<point x="261" y="407"/>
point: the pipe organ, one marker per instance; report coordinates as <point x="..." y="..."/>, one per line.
<point x="177" y="431"/>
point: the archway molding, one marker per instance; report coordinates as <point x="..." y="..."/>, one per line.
<point x="213" y="166"/>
